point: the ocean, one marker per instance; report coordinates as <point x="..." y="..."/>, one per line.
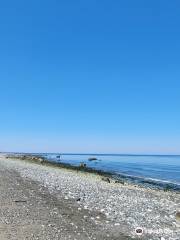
<point x="153" y="170"/>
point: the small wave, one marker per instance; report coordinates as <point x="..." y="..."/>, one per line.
<point x="160" y="183"/>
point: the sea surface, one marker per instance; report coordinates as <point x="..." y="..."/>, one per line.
<point x="154" y="170"/>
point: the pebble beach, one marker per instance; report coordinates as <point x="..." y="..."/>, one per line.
<point x="115" y="207"/>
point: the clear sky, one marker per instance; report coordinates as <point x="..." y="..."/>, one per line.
<point x="90" y="76"/>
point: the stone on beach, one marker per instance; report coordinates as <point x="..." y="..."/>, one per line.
<point x="178" y="216"/>
<point x="119" y="181"/>
<point x="106" y="179"/>
<point x="82" y="165"/>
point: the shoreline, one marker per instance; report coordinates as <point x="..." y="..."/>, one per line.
<point x="125" y="207"/>
<point x="118" y="178"/>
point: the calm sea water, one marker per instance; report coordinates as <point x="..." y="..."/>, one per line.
<point x="147" y="169"/>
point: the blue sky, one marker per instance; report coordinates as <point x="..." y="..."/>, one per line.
<point x="90" y="76"/>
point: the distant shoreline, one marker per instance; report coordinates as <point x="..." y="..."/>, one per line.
<point x="97" y="154"/>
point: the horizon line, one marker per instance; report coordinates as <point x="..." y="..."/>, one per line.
<point x="100" y="154"/>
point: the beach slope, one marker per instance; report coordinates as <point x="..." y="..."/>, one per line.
<point x="45" y="202"/>
<point x="29" y="211"/>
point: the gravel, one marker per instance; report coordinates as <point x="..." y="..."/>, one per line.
<point x="123" y="208"/>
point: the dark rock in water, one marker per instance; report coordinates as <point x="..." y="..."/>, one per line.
<point x="82" y="165"/>
<point x="59" y="156"/>
<point x="92" y="159"/>
<point x="106" y="179"/>
<point x="119" y="181"/>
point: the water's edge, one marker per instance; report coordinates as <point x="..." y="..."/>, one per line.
<point x="121" y="178"/>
